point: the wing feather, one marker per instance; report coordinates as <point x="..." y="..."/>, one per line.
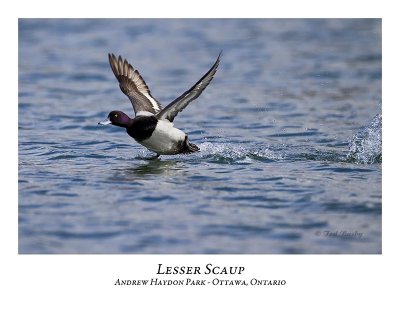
<point x="172" y="109"/>
<point x="133" y="85"/>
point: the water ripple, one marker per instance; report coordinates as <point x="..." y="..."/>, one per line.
<point x="275" y="163"/>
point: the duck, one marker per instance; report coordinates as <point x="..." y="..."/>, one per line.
<point x="153" y="126"/>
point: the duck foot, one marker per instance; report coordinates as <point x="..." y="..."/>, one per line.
<point x="152" y="157"/>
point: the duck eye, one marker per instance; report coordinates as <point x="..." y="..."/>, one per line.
<point x="116" y="115"/>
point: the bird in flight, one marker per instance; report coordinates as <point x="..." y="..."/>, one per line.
<point x="153" y="125"/>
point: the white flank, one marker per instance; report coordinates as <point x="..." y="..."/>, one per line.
<point x="165" y="138"/>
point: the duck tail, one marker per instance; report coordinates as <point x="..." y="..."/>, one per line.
<point x="189" y="147"/>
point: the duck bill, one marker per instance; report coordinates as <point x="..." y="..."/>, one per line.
<point x="107" y="121"/>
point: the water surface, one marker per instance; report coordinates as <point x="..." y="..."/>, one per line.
<point x="289" y="159"/>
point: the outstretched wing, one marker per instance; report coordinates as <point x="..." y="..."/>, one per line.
<point x="134" y="86"/>
<point x="172" y="109"/>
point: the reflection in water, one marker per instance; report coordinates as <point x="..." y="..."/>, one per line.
<point x="150" y="167"/>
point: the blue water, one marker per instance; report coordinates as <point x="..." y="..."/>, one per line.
<point x="289" y="131"/>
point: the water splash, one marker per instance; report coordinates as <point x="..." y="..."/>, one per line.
<point x="365" y="148"/>
<point x="366" y="145"/>
<point x="230" y="153"/>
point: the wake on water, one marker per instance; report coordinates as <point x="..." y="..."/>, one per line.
<point x="238" y="153"/>
<point x="365" y="147"/>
